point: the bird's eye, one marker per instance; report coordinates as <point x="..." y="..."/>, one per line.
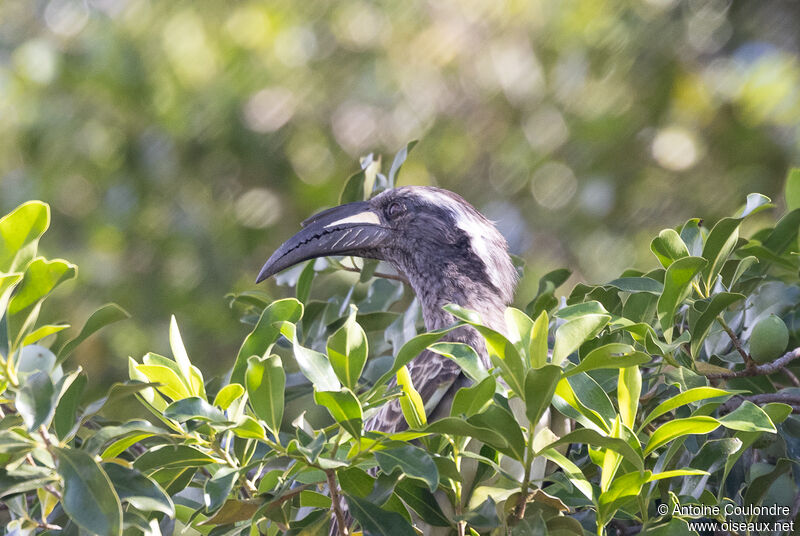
<point x="395" y="210"/>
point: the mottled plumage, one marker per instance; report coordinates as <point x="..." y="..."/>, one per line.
<point x="448" y="251"/>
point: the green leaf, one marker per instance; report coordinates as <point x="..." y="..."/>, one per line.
<point x="464" y="356"/>
<point x="458" y="427"/>
<point x="540" y="384"/>
<point x="303" y="287"/>
<point x="474" y="399"/>
<point x="591" y="437"/>
<point x="193" y="407"/>
<point x="20" y="231"/>
<point x="228" y="394"/>
<point x="567" y="402"/>
<point x="139" y="490"/>
<point x="41" y="277"/>
<point x="172" y="457"/>
<point x="344" y="407"/>
<point x="399" y="160"/>
<point x="677" y="281"/>
<point x="637" y="284"/>
<point x="537" y="352"/>
<point x="748" y="417"/>
<point x="267" y="330"/>
<point x="571" y="471"/>
<point x="42" y="332"/>
<point x="629" y="388"/>
<point x="609" y="356"/>
<point x="170" y="384"/>
<point x="314" y="365"/>
<point x="668" y="247"/>
<point x="64" y="418"/>
<point x="412" y="349"/>
<point x="249" y="428"/>
<point x="686" y="397"/>
<point x="266" y="380"/>
<point x="544" y="299"/>
<point x="759" y="487"/>
<point x="412" y="461"/>
<point x="107" y="314"/>
<point x="680" y="427"/>
<point x="411" y="402"/>
<point x="422" y="502"/>
<point x="792" y="189"/>
<point x="573" y="333"/>
<point x="500" y="420"/>
<point x="347" y="350"/>
<point x="89" y="498"/>
<point x="376" y="521"/>
<point x="353" y="189"/>
<point x="36" y="400"/>
<point x="218" y="487"/>
<point x="784" y="234"/>
<point x="719" y="245"/>
<point x="701" y="321"/>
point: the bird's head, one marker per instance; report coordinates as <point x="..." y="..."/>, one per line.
<point x="432" y="236"/>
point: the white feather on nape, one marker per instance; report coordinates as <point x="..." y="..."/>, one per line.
<point x="484" y="239"/>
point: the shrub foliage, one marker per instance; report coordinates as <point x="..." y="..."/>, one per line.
<point x="653" y="369"/>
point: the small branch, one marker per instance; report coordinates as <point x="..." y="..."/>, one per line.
<point x="748" y="361"/>
<point x="384" y="275"/>
<point x="758" y="370"/>
<point x="335" y="504"/>
<point x="791" y="376"/>
<point x="764" y="398"/>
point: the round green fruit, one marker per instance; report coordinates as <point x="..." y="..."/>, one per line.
<point x="769" y="339"/>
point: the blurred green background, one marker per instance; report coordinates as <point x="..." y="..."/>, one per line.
<point x="180" y="142"/>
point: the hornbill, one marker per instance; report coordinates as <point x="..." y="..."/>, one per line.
<point x="448" y="251"/>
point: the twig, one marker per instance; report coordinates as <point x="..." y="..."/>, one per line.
<point x="748" y="361"/>
<point x="384" y="275"/>
<point x="764" y="398"/>
<point x="791" y="376"/>
<point x="758" y="370"/>
<point x="335" y="505"/>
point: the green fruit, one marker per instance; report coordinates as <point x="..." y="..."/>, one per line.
<point x="769" y="339"/>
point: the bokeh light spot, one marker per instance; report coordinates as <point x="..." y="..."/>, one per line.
<point x="675" y="148"/>
<point x="258" y="208"/>
<point x="553" y="185"/>
<point x="269" y="109"/>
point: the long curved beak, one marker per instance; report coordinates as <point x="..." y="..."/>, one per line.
<point x="351" y="229"/>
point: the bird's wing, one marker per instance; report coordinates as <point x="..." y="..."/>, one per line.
<point x="433" y="377"/>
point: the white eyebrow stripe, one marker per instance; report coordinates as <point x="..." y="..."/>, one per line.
<point x="362" y="217"/>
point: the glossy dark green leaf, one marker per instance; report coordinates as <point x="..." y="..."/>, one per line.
<point x="500" y="420"/>
<point x="540" y="384"/>
<point x="412" y="461"/>
<point x="758" y="488"/>
<point x="637" y="284"/>
<point x="573" y="333"/>
<point x="422" y="502"/>
<point x="218" y="487"/>
<point x="64" y="418"/>
<point x="668" y="247"/>
<point x="719" y="245"/>
<point x="701" y="320"/>
<point x="471" y="400"/>
<point x="376" y="521"/>
<point x="465" y="357"/>
<point x="140" y="491"/>
<point x="609" y="356"/>
<point x="36" y="400"/>
<point x="748" y="417"/>
<point x="591" y="437"/>
<point x="193" y="408"/>
<point x="678" y="428"/>
<point x="410" y="350"/>
<point x="265" y="380"/>
<point x="677" y="281"/>
<point x="265" y="333"/>
<point x="347" y="350"/>
<point x="314" y="365"/>
<point x="107" y="314"/>
<point x="89" y="498"/>
<point x="458" y="427"/>
<point x="172" y="457"/>
<point x="344" y="407"/>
